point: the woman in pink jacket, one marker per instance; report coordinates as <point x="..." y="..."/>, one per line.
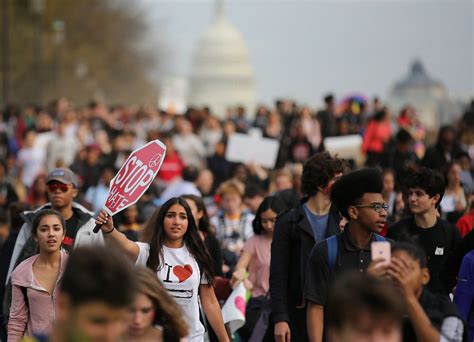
<point x="35" y="280"/>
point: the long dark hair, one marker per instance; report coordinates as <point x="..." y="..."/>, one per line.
<point x="192" y="240"/>
<point x="204" y="223"/>
<point x="273" y="203"/>
<point x="167" y="311"/>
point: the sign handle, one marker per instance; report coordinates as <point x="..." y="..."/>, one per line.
<point x="97" y="228"/>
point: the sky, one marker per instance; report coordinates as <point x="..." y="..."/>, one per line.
<point x="303" y="49"/>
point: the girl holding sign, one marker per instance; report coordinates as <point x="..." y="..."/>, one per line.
<point x="179" y="258"/>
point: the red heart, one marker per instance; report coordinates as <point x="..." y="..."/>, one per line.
<point x="183" y="272"/>
<point x="240" y="304"/>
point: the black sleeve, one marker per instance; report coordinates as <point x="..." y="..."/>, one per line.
<point x="317" y="275"/>
<point x="452" y="264"/>
<point x="279" y="269"/>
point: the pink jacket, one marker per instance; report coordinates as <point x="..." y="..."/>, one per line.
<point x="38" y="316"/>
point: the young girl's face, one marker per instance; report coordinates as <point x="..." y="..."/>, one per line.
<point x="141" y="315"/>
<point x="268" y="219"/>
<point x="50" y="234"/>
<point x="175" y="223"/>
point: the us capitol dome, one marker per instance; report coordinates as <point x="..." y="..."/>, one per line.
<point x="221" y="74"/>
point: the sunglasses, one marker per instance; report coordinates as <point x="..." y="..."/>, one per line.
<point x="52" y="187"/>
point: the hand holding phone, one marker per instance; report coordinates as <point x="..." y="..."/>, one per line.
<point x="381" y="250"/>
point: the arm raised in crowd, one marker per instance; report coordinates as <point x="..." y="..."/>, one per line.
<point x="112" y="234"/>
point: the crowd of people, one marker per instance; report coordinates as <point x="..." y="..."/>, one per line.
<point x="298" y="236"/>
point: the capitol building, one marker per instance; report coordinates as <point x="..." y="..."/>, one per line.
<point x="221" y="74"/>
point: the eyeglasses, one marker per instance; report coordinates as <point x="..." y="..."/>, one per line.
<point x="52" y="187"/>
<point x="376" y="206"/>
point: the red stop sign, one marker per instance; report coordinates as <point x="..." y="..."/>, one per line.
<point x="135" y="176"/>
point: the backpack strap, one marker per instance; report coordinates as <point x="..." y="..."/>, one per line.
<point x="331" y="243"/>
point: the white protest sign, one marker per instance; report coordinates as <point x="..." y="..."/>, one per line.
<point x="347" y="146"/>
<point x="252" y="148"/>
<point x="233" y="311"/>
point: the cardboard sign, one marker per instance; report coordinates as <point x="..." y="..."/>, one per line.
<point x="347" y="147"/>
<point x="233" y="311"/>
<point x="252" y="148"/>
<point x="135" y="176"/>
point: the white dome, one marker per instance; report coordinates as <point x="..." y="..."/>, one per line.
<point x="221" y="75"/>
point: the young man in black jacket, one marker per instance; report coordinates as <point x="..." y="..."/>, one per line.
<point x="295" y="234"/>
<point x="437" y="237"/>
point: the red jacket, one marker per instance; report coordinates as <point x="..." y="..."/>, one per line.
<point x="376" y="135"/>
<point x="466" y="223"/>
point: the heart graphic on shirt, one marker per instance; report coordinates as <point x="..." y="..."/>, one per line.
<point x="183" y="272"/>
<point x="240" y="304"/>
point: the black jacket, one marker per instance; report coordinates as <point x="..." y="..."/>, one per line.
<point x="293" y="241"/>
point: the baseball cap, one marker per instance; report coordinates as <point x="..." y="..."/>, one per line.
<point x="62" y="175"/>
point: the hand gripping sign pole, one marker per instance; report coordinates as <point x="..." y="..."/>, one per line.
<point x="134" y="177"/>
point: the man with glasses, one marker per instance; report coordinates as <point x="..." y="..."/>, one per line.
<point x="437" y="237"/>
<point x="357" y="196"/>
<point x="62" y="189"/>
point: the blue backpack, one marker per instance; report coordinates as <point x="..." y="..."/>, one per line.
<point x="332" y="250"/>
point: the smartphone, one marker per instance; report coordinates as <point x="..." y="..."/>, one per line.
<point x="381" y="250"/>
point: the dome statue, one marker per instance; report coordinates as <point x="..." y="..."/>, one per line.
<point x="221" y="75"/>
<point x="428" y="96"/>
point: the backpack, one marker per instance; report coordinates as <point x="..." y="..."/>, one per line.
<point x="332" y="250"/>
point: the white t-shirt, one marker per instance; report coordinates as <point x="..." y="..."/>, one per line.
<point x="181" y="276"/>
